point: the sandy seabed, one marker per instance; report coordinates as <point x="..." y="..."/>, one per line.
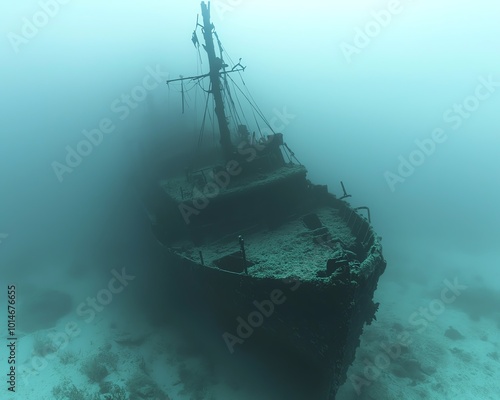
<point x="428" y="342"/>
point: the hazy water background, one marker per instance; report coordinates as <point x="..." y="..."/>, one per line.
<point x="352" y="120"/>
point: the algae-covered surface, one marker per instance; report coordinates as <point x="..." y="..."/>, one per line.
<point x="292" y="250"/>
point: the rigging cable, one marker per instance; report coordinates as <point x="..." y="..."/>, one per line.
<point x="202" y="129"/>
<point x="259" y="113"/>
<point x="252" y="103"/>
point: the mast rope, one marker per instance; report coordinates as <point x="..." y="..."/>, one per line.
<point x="256" y="108"/>
<point x="237" y="112"/>
<point x="252" y="103"/>
<point x="202" y="128"/>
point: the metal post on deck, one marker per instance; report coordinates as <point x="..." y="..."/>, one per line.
<point x="243" y="255"/>
<point x="345" y="195"/>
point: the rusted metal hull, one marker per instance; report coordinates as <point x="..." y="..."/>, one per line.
<point x="318" y="321"/>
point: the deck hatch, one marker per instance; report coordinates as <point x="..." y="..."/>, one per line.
<point x="312" y="221"/>
<point x="233" y="262"/>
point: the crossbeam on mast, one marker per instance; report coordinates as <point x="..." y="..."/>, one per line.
<point x="204" y="75"/>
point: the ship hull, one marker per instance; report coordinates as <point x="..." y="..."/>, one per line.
<point x="319" y="322"/>
<point x="307" y="281"/>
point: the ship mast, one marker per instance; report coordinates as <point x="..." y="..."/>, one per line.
<point x="215" y="66"/>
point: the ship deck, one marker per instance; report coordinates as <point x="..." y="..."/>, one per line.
<point x="180" y="190"/>
<point x="289" y="251"/>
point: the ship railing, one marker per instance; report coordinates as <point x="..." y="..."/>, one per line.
<point x="359" y="225"/>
